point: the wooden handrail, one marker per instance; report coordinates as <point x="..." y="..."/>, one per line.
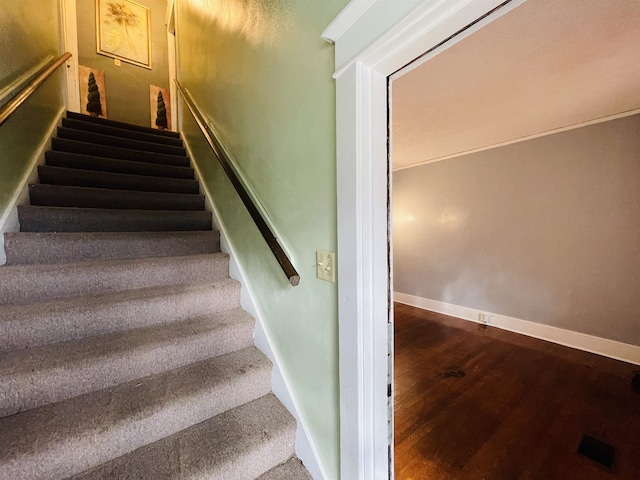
<point x="225" y="162"/>
<point x="19" y="98"/>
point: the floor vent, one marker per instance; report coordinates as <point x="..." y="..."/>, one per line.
<point x="455" y="373"/>
<point x="596" y="450"/>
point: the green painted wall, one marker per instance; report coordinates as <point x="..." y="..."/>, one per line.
<point x="127" y="86"/>
<point x="262" y="75"/>
<point x="26" y="40"/>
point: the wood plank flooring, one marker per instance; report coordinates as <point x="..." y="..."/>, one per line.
<point x="518" y="412"/>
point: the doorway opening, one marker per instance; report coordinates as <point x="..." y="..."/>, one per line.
<point x="498" y="142"/>
<point x="134" y="83"/>
<point x="372" y="42"/>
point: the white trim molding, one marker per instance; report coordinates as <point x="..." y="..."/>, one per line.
<point x="581" y="341"/>
<point x="371" y="44"/>
<point x="567" y="128"/>
<point x="348" y="16"/>
<point x="170" y="20"/>
<point x="70" y="36"/>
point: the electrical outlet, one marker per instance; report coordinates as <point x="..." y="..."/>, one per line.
<point x="326" y="266"/>
<point x="486" y="318"/>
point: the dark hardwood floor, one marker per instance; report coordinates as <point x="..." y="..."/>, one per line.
<point x="474" y="403"/>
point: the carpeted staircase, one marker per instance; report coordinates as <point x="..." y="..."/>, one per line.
<point x="124" y="353"/>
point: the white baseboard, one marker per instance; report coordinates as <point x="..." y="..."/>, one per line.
<point x="581" y="341"/>
<point x="305" y="447"/>
<point x="9" y="218"/>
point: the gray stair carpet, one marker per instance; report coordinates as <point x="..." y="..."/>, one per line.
<point x="124" y="352"/>
<point x="292" y="468"/>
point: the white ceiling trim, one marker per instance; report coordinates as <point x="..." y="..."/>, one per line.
<point x="345" y="19"/>
<point x="524" y="139"/>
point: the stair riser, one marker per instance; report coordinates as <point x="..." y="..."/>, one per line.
<point x="120" y="132"/>
<point x="25" y="327"/>
<point x="237" y="445"/>
<point x="41" y="387"/>
<point x="24" y="248"/>
<point x="84" y="197"/>
<point x="115" y="181"/>
<point x="292" y="468"/>
<point x="85" y="148"/>
<point x="27" y="284"/>
<point x="137" y="128"/>
<point x="53" y="219"/>
<point x="251" y="464"/>
<point x="216" y="389"/>
<point x="128" y="368"/>
<point x="98" y="139"/>
<point x="98" y="164"/>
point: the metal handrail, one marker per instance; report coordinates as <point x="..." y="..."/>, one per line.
<point x="225" y="162"/>
<point x="19" y="98"/>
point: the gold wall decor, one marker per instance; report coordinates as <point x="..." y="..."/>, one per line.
<point x="123" y="31"/>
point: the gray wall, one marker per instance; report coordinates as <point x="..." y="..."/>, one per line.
<point x="127" y="86"/>
<point x="546" y="230"/>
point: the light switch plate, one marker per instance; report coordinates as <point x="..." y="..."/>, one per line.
<point x="326" y="266"/>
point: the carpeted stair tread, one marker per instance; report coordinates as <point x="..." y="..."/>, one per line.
<point x="124" y="350"/>
<point x="23" y="284"/>
<point x="118" y="181"/>
<point x="87" y="197"/>
<point x="102" y="164"/>
<point x="129" y="126"/>
<point x="292" y="469"/>
<point x="107" y="151"/>
<point x="63" y="439"/>
<point x="33" y="377"/>
<point x="75" y="318"/>
<point x="66" y="219"/>
<point x="25" y="248"/>
<point x="120" y="142"/>
<point x="239" y="444"/>
<point x="120" y="132"/>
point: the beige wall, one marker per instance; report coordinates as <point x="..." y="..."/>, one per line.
<point x="128" y="85"/>
<point x="546" y="230"/>
<point x="26" y="40"/>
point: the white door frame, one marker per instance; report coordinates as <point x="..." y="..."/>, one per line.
<point x="372" y="42"/>
<point x="170" y="21"/>
<point x="69" y="24"/>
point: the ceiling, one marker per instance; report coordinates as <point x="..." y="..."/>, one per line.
<point x="545" y="65"/>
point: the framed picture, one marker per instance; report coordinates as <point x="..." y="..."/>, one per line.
<point x="160" y="107"/>
<point x="123" y="31"/>
<point x="93" y="95"/>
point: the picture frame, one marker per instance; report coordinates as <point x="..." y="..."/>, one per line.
<point x="123" y="30"/>
<point x="156" y="102"/>
<point x="99" y="101"/>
